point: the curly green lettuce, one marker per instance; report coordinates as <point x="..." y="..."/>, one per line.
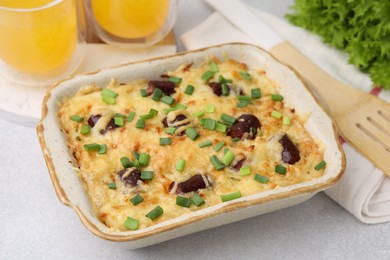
<point x="359" y="27"/>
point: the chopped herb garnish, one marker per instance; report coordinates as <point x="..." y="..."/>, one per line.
<point x="228" y="158"/>
<point x="147" y="175"/>
<point x="153" y="112"/>
<point x="261" y="178"/>
<point x="157" y="93"/>
<point x="210" y="123"/>
<point x="276" y="114"/>
<point x="320" y="165"/>
<point x="77" y="118"/>
<point x="165" y="141"/>
<point x="255" y="93"/>
<point x="155" y="213"/>
<point x="280" y="169"/>
<point x="109" y="93"/>
<point x="136" y="163"/>
<point x="245" y="170"/>
<point x="173" y="79"/>
<point x="180" y="165"/>
<point x="118" y="120"/>
<point x="137" y="199"/>
<point x="286" y="120"/>
<point x="205" y="144"/>
<point x="102" y="149"/>
<point x="143" y="92"/>
<point x="147" y="116"/>
<point x="136" y="155"/>
<point x="131" y="223"/>
<point x="245" y="75"/>
<point x="210" y="108"/>
<point x="276" y="97"/>
<point x="167" y="100"/>
<point x="144" y="159"/>
<point x="197" y="200"/>
<point x="109" y="100"/>
<point x="225" y="89"/>
<point x="244" y="98"/>
<point x="126" y="163"/>
<point x="170" y="130"/>
<point x="221" y="79"/>
<point x="219" y="146"/>
<point x="214" y="67"/>
<point x="91" y="147"/>
<point x="236" y="139"/>
<point x="112" y="185"/>
<point x="220" y="127"/>
<point x="207" y="75"/>
<point x="192" y="133"/>
<point x="218" y="165"/>
<point x="140" y="123"/>
<point x="131" y="117"/>
<point x="242" y="104"/>
<point x="198" y="114"/>
<point x="169" y="109"/>
<point x="225" y="150"/>
<point x="189" y="90"/>
<point x="231" y="196"/>
<point x="85" y="129"/>
<point x="183" y="201"/>
<point x="228" y="119"/>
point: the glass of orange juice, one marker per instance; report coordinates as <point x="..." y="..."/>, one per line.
<point x="41" y="40"/>
<point x="133" y="23"/>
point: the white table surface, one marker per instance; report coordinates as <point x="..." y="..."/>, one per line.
<point x="35" y="225"/>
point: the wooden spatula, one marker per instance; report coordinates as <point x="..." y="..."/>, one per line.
<point x="363" y="119"/>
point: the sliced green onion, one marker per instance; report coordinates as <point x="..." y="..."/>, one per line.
<point x="167" y="100"/>
<point x="261" y="178"/>
<point x="176" y="80"/>
<point x="207" y="75"/>
<point x="180" y="165"/>
<point x="228" y="119"/>
<point x="91" y="147"/>
<point x="245" y="75"/>
<point x="276" y="97"/>
<point x="112" y="185"/>
<point x="242" y="104"/>
<point x="245" y="170"/>
<point x="157" y="93"/>
<point x="192" y="133"/>
<point x="137" y="199"/>
<point x="144" y="159"/>
<point x="109" y="93"/>
<point x="181" y="106"/>
<point x="102" y="149"/>
<point x="183" y="201"/>
<point x="220" y="127"/>
<point x="221" y="79"/>
<point x="147" y="175"/>
<point x="280" y="169"/>
<point x="146" y="117"/>
<point x="205" y="144"/>
<point x="131" y="117"/>
<point x="119" y="115"/>
<point x="143" y="92"/>
<point x="228" y="158"/>
<point x="136" y="163"/>
<point x="169" y="109"/>
<point x="155" y="213"/>
<point x="218" y="165"/>
<point x="109" y="100"/>
<point x="276" y="114"/>
<point x="170" y="130"/>
<point x="231" y="196"/>
<point x="165" y="141"/>
<point x="210" y="108"/>
<point x="153" y="112"/>
<point x="189" y="90"/>
<point x="286" y="120"/>
<point x="219" y="146"/>
<point x="244" y="98"/>
<point x="118" y="120"/>
<point x="198" y="114"/>
<point x="136" y="155"/>
<point x="85" y="129"/>
<point x="214" y="67"/>
<point x="320" y="165"/>
<point x="236" y="139"/>
<point x="255" y="93"/>
<point x="126" y="163"/>
<point x="140" y="123"/>
<point x="203" y="121"/>
<point x="225" y="89"/>
<point x="131" y="223"/>
<point x="197" y="200"/>
<point x="210" y="123"/>
<point x="225" y="150"/>
<point x="77" y="118"/>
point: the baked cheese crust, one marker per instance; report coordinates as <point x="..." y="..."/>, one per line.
<point x="278" y="140"/>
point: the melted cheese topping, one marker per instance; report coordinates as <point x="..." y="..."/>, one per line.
<point x="96" y="170"/>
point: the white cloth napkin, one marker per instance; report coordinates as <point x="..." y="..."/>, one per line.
<point x="363" y="190"/>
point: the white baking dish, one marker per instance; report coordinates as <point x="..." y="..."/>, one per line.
<point x="71" y="192"/>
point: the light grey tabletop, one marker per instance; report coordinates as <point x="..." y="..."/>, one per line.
<point x="35" y="225"/>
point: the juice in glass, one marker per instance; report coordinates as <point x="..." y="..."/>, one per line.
<point x="131" y="19"/>
<point x="37" y="36"/>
